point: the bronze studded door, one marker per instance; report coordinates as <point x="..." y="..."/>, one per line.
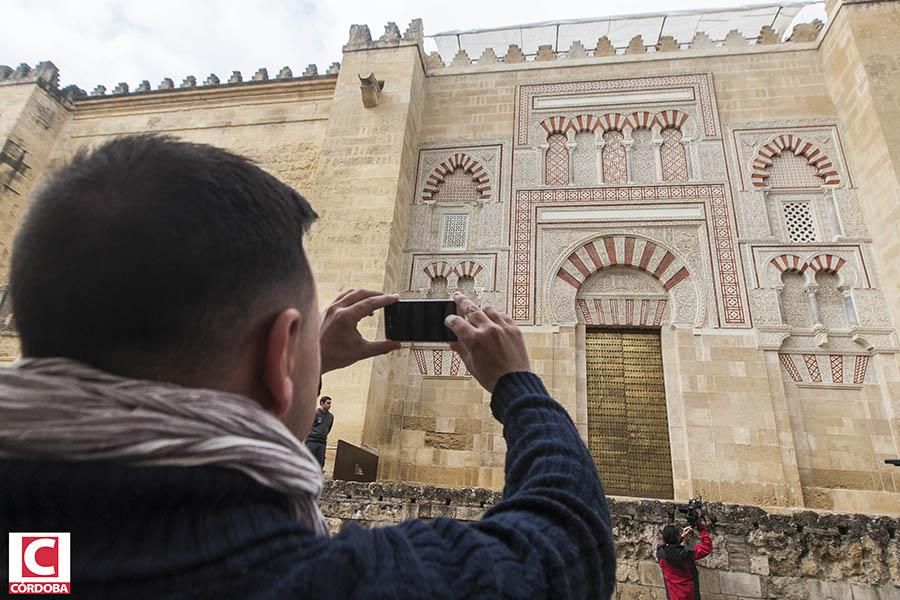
<point x="628" y="431"/>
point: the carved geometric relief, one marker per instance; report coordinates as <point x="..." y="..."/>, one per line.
<point x="556" y="170"/>
<point x="454" y="268"/>
<point x="438" y="362"/>
<point x="454" y="231"/>
<point x="643" y="159"/>
<point x="469" y="174"/>
<point x="641" y="254"/>
<point x="824" y="369"/>
<point x="726" y="274"/>
<point x="789" y="155"/>
<point x="799" y="222"/>
<point x="457" y="186"/>
<point x="673" y="156"/>
<point x="792" y="171"/>
<point x="614" y="162"/>
<point x="695" y="90"/>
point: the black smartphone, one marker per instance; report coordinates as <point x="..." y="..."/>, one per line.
<point x="419" y="321"/>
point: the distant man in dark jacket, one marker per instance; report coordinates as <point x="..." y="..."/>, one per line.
<point x="679" y="563"/>
<point x="171" y="336"/>
<point x="323" y="421"/>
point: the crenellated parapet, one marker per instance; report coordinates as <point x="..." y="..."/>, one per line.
<point x="361" y="37"/>
<point x="734" y="41"/>
<point x="191" y="82"/>
<point x="46" y="74"/>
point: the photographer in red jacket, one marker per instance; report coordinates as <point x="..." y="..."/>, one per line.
<point x="679" y="564"/>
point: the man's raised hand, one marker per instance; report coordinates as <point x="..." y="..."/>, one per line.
<point x="488" y="341"/>
<point x="340" y="340"/>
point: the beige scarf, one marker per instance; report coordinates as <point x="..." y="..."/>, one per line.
<point x="59" y="409"/>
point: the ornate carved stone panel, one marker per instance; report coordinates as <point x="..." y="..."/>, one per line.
<point x="446" y="174"/>
<point x="803" y="152"/>
<point x="716" y="211"/>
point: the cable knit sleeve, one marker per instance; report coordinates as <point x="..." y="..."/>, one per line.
<point x="550" y="535"/>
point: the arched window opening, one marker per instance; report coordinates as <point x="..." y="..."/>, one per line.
<point x="673" y="156"/>
<point x="613" y="156"/>
<point x="438" y="287"/>
<point x="643" y="163"/>
<point x="795" y="300"/>
<point x="832" y="308"/>
<point x="556" y="170"/>
<point x="466" y="284"/>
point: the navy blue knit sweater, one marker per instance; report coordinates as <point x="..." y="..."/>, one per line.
<point x="160" y="532"/>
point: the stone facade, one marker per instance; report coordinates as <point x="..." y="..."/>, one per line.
<point x="742" y="199"/>
<point x="757" y="554"/>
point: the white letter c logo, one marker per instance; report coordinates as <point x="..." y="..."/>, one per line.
<point x="31" y="559"/>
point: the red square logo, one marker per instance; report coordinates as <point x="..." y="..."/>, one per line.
<point x="40" y="563"/>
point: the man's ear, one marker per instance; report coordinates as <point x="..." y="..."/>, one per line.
<point x="280" y="360"/>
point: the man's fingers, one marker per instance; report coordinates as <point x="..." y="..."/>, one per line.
<point x="463" y="304"/>
<point x="354" y="296"/>
<point x="495" y="316"/>
<point x="459" y="326"/>
<point x="367" y="306"/>
<point x="343" y="295"/>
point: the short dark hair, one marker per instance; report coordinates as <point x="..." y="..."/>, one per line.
<point x="671" y="534"/>
<point x="149" y="255"/>
<point x="323" y="399"/>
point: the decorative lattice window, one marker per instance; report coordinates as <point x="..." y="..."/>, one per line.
<point x="799" y="220"/>
<point x="556" y="171"/>
<point x="457" y="186"/>
<point x="672" y="156"/>
<point x="614" y="170"/>
<point x="455" y="232"/>
<point x="791" y="171"/>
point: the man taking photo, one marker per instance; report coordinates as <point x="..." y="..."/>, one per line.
<point x="171" y="339"/>
<point x="679" y="563"/>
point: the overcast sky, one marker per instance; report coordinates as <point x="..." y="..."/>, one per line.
<point x="108" y="41"/>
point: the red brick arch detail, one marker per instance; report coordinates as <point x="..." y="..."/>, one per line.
<point x="788" y="262"/>
<point x="642" y="119"/>
<point x="439" y="268"/>
<point x="826" y="262"/>
<point x="670" y="118"/>
<point x="813" y="155"/>
<point x="582" y="123"/>
<point x="469" y="268"/>
<point x="462" y="161"/>
<point x="555" y="125"/>
<point x="615" y="122"/>
<point x="602" y="252"/>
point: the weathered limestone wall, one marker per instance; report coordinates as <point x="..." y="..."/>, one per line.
<point x="728" y="421"/>
<point x="474" y="103"/>
<point x="439" y="429"/>
<point x="362" y="190"/>
<point x="281" y="125"/>
<point x="788" y="556"/>
<point x="30" y="119"/>
<point x="861" y="58"/>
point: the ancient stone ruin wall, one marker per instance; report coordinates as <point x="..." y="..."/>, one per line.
<point x="789" y="556"/>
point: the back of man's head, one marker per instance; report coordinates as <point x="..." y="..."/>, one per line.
<point x="152" y="257"/>
<point x="671" y="534"/>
